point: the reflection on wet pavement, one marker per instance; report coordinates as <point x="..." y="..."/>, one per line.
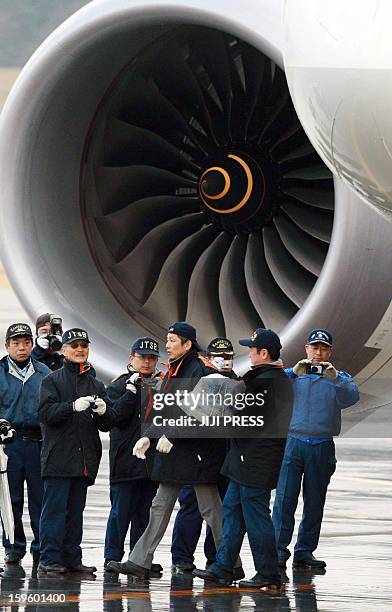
<point x="355" y="542"/>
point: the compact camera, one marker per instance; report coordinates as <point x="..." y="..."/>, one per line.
<point x="93" y="404"/>
<point x="314" y="369"/>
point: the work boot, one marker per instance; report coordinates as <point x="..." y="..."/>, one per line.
<point x="156" y="568"/>
<point x="12" y="558"/>
<point x="209" y="576"/>
<point x="259" y="582"/>
<point x="238" y="573"/>
<point x="86" y="569"/>
<point x="128" y="568"/>
<point x="182" y="568"/>
<point x="308" y="561"/>
<point x="54" y="568"/>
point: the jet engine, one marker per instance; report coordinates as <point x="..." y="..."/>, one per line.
<point x="154" y="169"/>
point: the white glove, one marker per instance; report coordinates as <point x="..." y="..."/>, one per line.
<point x="100" y="406"/>
<point x="82" y="403"/>
<point x="140" y="448"/>
<point x="43" y="342"/>
<point x="8" y="437"/>
<point x="132" y="380"/>
<point x="218" y="362"/>
<point x="330" y="372"/>
<point x="300" y="368"/>
<point x="164" y="445"/>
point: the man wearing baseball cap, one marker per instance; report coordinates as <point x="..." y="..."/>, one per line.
<point x="73" y="408"/>
<point x="252" y="466"/>
<point x="188" y="524"/>
<point x="48" y="341"/>
<point x="20" y="379"/>
<point x="131" y="490"/>
<point x="195" y="461"/>
<point x="320" y="393"/>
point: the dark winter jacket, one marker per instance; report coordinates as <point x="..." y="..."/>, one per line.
<point x="191" y="460"/>
<point x="19" y="399"/>
<point x="126" y="431"/>
<point x="71" y="444"/>
<point x="54" y="361"/>
<point x="255" y="462"/>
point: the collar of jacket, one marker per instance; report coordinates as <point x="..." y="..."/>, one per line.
<point x="175" y="366"/>
<point x="77" y="368"/>
<point x="22" y="374"/>
<point x="267" y="367"/>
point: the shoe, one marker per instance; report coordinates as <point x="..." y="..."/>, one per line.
<point x="156" y="568"/>
<point x="12" y="558"/>
<point x="87" y="569"/>
<point x="54" y="568"/>
<point x="282" y="562"/>
<point x="209" y="576"/>
<point x="238" y="573"/>
<point x="309" y="561"/>
<point x="182" y="568"/>
<point x="128" y="568"/>
<point x="259" y="582"/>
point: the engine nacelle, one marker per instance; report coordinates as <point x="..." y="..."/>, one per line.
<point x="153" y="169"/>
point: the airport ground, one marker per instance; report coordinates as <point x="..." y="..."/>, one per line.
<point x="356" y="543"/>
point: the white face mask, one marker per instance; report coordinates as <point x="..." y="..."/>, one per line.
<point x="222" y="364"/>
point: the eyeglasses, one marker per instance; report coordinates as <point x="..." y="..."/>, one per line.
<point x="75" y="345"/>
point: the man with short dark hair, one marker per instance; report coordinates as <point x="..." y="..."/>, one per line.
<point x="131" y="490"/>
<point x="188" y="523"/>
<point x="181" y="461"/>
<point x="252" y="467"/>
<point x="48" y="342"/>
<point x="320" y="394"/>
<point x="73" y="408"/>
<point x="20" y="379"/>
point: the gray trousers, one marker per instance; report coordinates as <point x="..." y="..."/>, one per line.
<point x="209" y="503"/>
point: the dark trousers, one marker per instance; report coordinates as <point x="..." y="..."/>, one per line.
<point x="187" y="530"/>
<point x="312" y="465"/>
<point x="130" y="504"/>
<point x="246" y="510"/>
<point x="61" y="525"/>
<point x="24" y="465"/>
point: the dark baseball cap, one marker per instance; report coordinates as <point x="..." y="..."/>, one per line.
<point x="320" y="335"/>
<point x="220" y="346"/>
<point x="74" y="334"/>
<point x="18" y="329"/>
<point x="263" y="338"/>
<point x="185" y="330"/>
<point x="145" y="346"/>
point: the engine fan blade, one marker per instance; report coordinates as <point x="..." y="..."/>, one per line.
<point x="127" y="144"/>
<point x="317" y="223"/>
<point x="273" y="306"/>
<point x="204" y="310"/>
<point x="238" y="311"/>
<point x="308" y="251"/>
<point x="295" y="281"/>
<point x="170" y="294"/>
<point x="319" y="198"/>
<point x="310" y="173"/>
<point x="118" y="187"/>
<point x="124" y="229"/>
<point x="138" y="272"/>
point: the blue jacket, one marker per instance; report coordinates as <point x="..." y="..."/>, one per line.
<point x="18" y="400"/>
<point x="318" y="403"/>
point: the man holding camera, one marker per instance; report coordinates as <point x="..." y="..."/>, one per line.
<point x="131" y="490"/>
<point x="72" y="410"/>
<point x="20" y="379"/>
<point x="320" y="393"/>
<point x="48" y="341"/>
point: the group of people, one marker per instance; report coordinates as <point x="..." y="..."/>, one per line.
<point x="53" y="408"/>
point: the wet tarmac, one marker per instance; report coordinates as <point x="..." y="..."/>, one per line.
<point x="356" y="543"/>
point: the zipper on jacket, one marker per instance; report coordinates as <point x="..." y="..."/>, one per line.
<point x="85" y="471"/>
